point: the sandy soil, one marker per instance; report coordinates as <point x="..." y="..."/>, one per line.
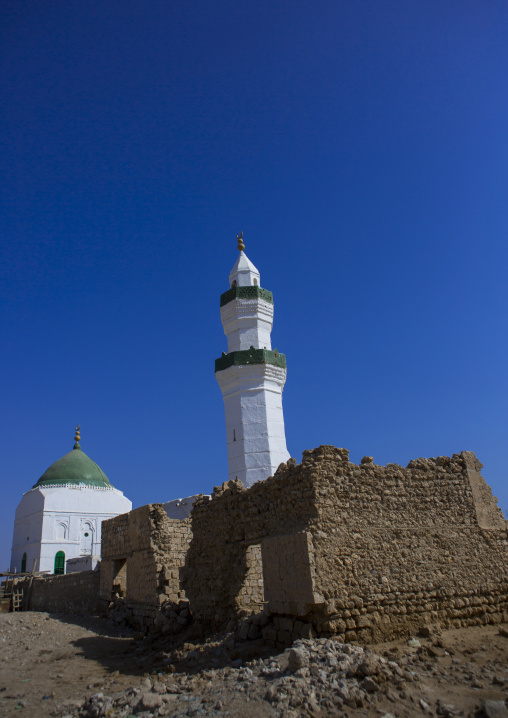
<point x="52" y="664"/>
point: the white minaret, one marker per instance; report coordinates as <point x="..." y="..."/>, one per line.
<point x="251" y="377"/>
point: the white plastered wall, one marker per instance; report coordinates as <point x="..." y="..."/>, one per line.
<point x="256" y="439"/>
<point x="247" y="323"/>
<point x="52" y="519"/>
<point x="180" y="508"/>
<point x="244" y="273"/>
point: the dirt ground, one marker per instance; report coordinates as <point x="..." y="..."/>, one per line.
<point x="45" y="660"/>
<point x="52" y="664"/>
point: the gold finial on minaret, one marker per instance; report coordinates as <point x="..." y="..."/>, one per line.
<point x="241" y="245"/>
<point x="77" y="437"/>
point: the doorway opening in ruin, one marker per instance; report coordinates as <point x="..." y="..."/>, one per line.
<point x="251" y="596"/>
<point x="120" y="577"/>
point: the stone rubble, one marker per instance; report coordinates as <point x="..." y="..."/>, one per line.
<point x="315" y="678"/>
<point x="461" y="673"/>
<point x="172" y="618"/>
<point x="313" y="675"/>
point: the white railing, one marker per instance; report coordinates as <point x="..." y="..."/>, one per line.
<point x="74" y="486"/>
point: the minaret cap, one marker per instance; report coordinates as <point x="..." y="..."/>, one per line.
<point x="77" y="438"/>
<point x="241" y="245"/>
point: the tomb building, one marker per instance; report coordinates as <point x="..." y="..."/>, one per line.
<point x="251" y="376"/>
<point x="60" y="517"/>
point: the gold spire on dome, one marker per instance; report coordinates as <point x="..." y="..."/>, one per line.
<point x="241" y="245"/>
<point x="77" y="437"/>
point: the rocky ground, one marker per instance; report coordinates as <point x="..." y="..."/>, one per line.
<point x="54" y="665"/>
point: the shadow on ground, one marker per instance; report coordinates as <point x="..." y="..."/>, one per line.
<point x="123" y="650"/>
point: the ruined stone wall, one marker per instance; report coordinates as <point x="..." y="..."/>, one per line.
<point x="359" y="551"/>
<point x="219" y="563"/>
<point x="326" y="547"/>
<point x="142" y="555"/>
<point x="72" y="593"/>
<point x="398" y="546"/>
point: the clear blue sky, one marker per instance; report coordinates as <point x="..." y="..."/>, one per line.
<point x="360" y="146"/>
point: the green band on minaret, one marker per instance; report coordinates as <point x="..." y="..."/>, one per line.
<point x="245" y="293"/>
<point x="250" y="356"/>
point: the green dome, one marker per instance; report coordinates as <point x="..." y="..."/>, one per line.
<point x="74" y="468"/>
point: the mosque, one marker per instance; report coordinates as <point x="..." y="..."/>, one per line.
<point x="59" y="519"/>
<point x="58" y="522"/>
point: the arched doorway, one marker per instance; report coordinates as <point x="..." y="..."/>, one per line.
<point x="60" y="562"/>
<point x="23" y="563"/>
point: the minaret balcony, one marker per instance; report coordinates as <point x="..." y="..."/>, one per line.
<point x="251" y="292"/>
<point x="250" y="356"/>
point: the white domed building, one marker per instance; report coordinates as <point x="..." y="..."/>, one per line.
<point x="60" y="517"/>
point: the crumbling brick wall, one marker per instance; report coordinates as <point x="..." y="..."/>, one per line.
<point x="142" y="555"/>
<point x="359" y="551"/>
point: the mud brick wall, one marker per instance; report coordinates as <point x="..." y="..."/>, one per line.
<point x="362" y="552"/>
<point x="142" y="555"/>
<point x="72" y="593"/>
